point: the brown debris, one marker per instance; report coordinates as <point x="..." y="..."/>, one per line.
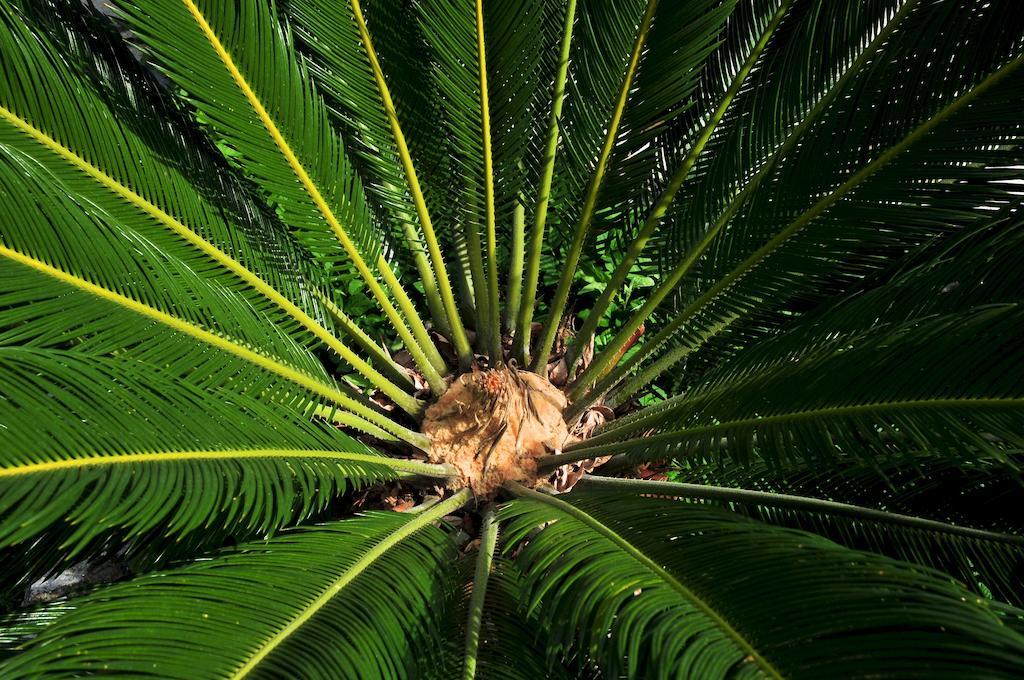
<point x="493" y="425"/>
<point x="566" y="476"/>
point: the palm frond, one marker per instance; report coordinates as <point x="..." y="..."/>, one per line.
<point x="928" y="296"/>
<point x="602" y="40"/>
<point x="449" y="29"/>
<point x="659" y="588"/>
<point x="590" y="199"/>
<point x="56" y="141"/>
<point x="330" y="41"/>
<point x="684" y="35"/>
<point x="93" y="46"/>
<point x="105" y="322"/>
<point x="351" y="597"/>
<point x="930" y="281"/>
<point x="990" y="563"/>
<point x="888" y="166"/>
<point x="159" y="454"/>
<point x="523" y="309"/>
<point x="942" y="392"/>
<point x="255" y="97"/>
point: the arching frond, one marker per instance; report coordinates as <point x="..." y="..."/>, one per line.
<point x="255" y="97"/>
<point x="942" y="392"/>
<point x="106" y="322"/>
<point x="885" y="320"/>
<point x="49" y="138"/>
<point x="351" y="597"/>
<point x="659" y="588"/>
<point x="158" y="454"/>
<point x="889" y="166"/>
<point x="329" y="38"/>
<point x="990" y="563"/>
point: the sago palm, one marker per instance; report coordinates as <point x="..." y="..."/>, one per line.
<point x="678" y="339"/>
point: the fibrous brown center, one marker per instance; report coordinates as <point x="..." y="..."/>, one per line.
<point x="493" y="425"/>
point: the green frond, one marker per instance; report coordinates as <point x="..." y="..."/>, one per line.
<point x="590" y="199"/>
<point x="439" y="292"/>
<point x="929" y="282"/>
<point x="659" y="588"/>
<point x="449" y="29"/>
<point x="706" y="25"/>
<point x="138" y="101"/>
<point x="106" y="323"/>
<point x="262" y="59"/>
<point x="329" y="39"/>
<point x="878" y="170"/>
<point x="351" y="598"/>
<point x="512" y="642"/>
<point x="523" y="309"/>
<point x="894" y="322"/>
<point x="478" y="594"/>
<point x="988" y="562"/>
<point x="159" y="453"/>
<point x="978" y="494"/>
<point x="951" y="384"/>
<point x="603" y="37"/>
<point x="684" y="35"/>
<point x="58" y="144"/>
<point x="254" y="95"/>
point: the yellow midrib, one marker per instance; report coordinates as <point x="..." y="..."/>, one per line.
<point x="369" y="421"/>
<point x="408" y="529"/>
<point x="660" y="571"/>
<point x="229" y="454"/>
<point x="419" y="200"/>
<point x="206" y="247"/>
<point x="485" y="127"/>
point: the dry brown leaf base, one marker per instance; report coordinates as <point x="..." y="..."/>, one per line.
<point x="493" y="425"/>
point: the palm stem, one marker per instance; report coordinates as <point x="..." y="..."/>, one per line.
<point x="484" y="560"/>
<point x="430" y="238"/>
<point x="632" y="551"/>
<point x="467" y="298"/>
<point x="494" y="315"/>
<point x="524" y="320"/>
<point x="427" y="278"/>
<point x="779" y="500"/>
<point x="478" y="277"/>
<point x="602" y="363"/>
<point x="579" y="235"/>
<point x="404" y="465"/>
<point x="667" y="197"/>
<point x="515" y="266"/>
<point x="424" y="352"/>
